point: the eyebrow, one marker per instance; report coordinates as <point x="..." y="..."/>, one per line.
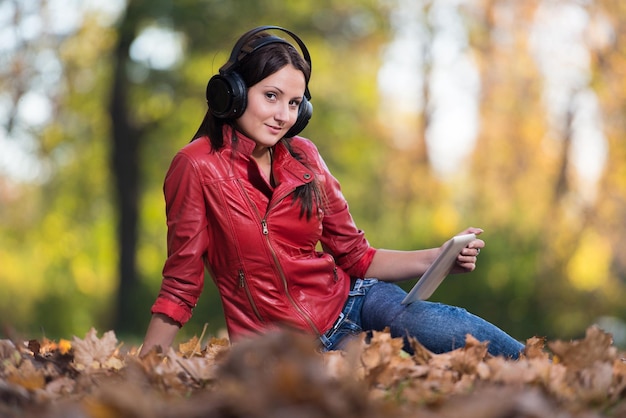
<point x="275" y="87"/>
<point x="281" y="91"/>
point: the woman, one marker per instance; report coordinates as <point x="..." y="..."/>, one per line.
<point x="250" y="201"/>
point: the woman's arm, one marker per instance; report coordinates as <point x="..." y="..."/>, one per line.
<point x="161" y="333"/>
<point x="187" y="240"/>
<point x="392" y="266"/>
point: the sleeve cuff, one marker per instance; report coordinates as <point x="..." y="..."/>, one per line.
<point x="171" y="309"/>
<point x="363" y="264"/>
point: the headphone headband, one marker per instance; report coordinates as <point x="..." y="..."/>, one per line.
<point x="233" y="60"/>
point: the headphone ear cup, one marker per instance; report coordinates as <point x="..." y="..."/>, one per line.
<point x="226" y="95"/>
<point x="305" y="111"/>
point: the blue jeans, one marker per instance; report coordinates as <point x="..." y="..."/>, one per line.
<point x="374" y="305"/>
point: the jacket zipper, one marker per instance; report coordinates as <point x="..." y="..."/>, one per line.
<point x="284" y="280"/>
<point x="242" y="284"/>
<point x="265" y="231"/>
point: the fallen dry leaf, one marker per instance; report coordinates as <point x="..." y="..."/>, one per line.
<point x="94" y="352"/>
<point x="26" y="375"/>
<point x="283" y="374"/>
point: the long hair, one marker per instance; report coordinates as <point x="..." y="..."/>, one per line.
<point x="253" y="68"/>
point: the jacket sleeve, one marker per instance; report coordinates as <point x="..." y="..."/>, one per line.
<point x="341" y="237"/>
<point x="187" y="241"/>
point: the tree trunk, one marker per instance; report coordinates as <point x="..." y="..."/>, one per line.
<point x="125" y="169"/>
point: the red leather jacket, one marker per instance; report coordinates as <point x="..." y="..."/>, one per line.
<point x="262" y="255"/>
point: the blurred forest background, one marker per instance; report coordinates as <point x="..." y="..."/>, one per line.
<point x="435" y="115"/>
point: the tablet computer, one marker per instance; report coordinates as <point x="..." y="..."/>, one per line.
<point x="439" y="269"/>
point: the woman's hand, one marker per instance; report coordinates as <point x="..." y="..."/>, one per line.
<point x="467" y="258"/>
<point x="161" y="332"/>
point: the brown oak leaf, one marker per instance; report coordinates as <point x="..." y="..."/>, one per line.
<point x="94" y="352"/>
<point x="27" y="376"/>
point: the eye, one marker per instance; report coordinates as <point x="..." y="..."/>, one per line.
<point x="271" y="96"/>
<point x="295" y="103"/>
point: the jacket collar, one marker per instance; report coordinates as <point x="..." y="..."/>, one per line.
<point x="292" y="167"/>
<point x="245" y="145"/>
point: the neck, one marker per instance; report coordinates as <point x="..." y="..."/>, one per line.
<point x="260" y="152"/>
<point x="263" y="158"/>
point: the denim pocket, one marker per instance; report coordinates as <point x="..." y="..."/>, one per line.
<point x="349" y="322"/>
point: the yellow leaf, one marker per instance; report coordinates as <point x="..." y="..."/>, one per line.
<point x="26" y="376"/>
<point x="64" y="346"/>
<point x="190" y="348"/>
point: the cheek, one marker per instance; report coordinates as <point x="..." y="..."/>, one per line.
<point x="254" y="108"/>
<point x="250" y="115"/>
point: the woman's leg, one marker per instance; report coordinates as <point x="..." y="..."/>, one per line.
<point x="438" y="327"/>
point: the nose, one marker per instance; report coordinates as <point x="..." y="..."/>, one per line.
<point x="283" y="113"/>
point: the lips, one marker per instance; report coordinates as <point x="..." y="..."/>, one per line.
<point x="274" y="129"/>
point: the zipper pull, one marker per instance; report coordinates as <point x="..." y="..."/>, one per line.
<point x="242" y="282"/>
<point x="335" y="273"/>
<point x="264" y="225"/>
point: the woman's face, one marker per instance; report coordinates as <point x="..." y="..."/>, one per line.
<point x="272" y="106"/>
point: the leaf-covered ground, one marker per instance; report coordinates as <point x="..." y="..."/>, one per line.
<point x="282" y="375"/>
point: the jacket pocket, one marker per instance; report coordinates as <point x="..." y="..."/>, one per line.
<point x="243" y="284"/>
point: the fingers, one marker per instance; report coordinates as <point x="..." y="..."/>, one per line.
<point x="466" y="265"/>
<point x="468" y="257"/>
<point x="473" y="230"/>
<point x="470" y="251"/>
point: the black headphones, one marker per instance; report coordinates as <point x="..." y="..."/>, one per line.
<point x="226" y="92"/>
